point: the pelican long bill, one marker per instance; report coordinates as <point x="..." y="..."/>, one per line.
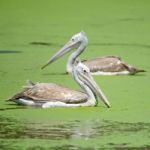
<point x="88" y="79"/>
<point x="66" y="48"/>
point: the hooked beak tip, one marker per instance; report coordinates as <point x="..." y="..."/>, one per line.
<point x="108" y="105"/>
<point x="43" y="66"/>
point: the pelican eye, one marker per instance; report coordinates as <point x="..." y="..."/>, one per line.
<point x="73" y="39"/>
<point x="84" y="71"/>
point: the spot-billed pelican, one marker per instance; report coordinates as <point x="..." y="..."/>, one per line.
<point x="52" y="95"/>
<point x="108" y="65"/>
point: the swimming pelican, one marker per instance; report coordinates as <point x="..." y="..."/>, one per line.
<point x="52" y="95"/>
<point x="109" y="65"/>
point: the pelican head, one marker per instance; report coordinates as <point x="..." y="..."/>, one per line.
<point x="82" y="75"/>
<point x="77" y="41"/>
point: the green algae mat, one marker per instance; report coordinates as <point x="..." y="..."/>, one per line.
<point x="31" y="31"/>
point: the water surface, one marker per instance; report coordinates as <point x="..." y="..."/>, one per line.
<point x="31" y="31"/>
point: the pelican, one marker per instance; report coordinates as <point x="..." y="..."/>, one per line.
<point x="52" y="95"/>
<point x="108" y="65"/>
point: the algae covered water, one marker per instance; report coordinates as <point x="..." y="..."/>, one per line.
<point x="31" y="31"/>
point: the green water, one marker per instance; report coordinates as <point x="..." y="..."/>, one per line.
<point x="31" y="31"/>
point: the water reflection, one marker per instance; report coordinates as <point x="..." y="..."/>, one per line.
<point x="121" y="44"/>
<point x="44" y="43"/>
<point x="64" y="147"/>
<point x="41" y="43"/>
<point x="9" y="51"/>
<point x="77" y="129"/>
<point x="8" y="145"/>
<point x="116" y="147"/>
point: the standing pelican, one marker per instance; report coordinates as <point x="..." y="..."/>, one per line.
<point x="52" y="95"/>
<point x="109" y="65"/>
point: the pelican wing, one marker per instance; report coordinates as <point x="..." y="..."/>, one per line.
<point x="51" y="92"/>
<point x="106" y="64"/>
